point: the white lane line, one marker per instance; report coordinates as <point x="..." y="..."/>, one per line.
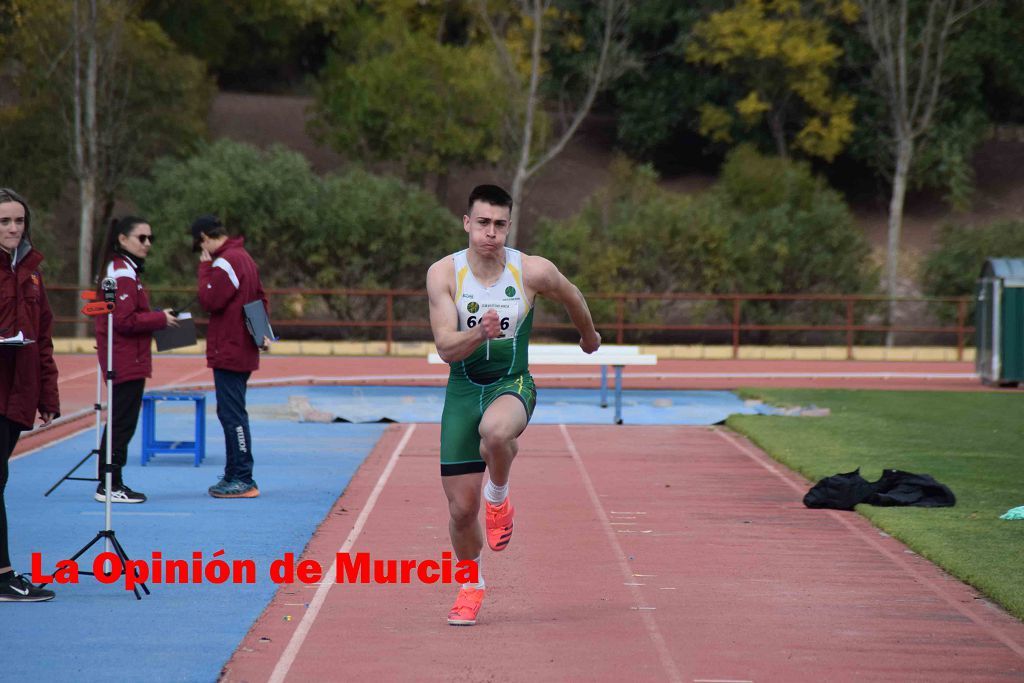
<point x="288" y="656"/>
<point x="182" y="380"/>
<point x="77" y="375"/>
<point x="52" y="443"/>
<point x="652" y="626"/>
<point x="899" y="560"/>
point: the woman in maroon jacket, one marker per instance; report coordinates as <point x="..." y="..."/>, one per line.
<point x="28" y="374"/>
<point x="127" y="248"/>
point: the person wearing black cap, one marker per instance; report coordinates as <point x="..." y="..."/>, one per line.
<point x="28" y="373"/>
<point x="229" y="279"/>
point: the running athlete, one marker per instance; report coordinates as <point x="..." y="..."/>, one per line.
<point x="481" y="313"/>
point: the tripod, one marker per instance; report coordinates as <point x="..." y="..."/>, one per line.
<point x="97" y="407"/>
<point x="106" y="307"/>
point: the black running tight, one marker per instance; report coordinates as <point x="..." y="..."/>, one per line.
<point x="9" y="433"/>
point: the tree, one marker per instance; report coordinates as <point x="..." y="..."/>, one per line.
<point x="84" y="133"/>
<point x="249" y="44"/>
<point x="10" y="19"/>
<point x="781" y="53"/>
<point x="521" y="39"/>
<point x="105" y="93"/>
<point x="790" y="232"/>
<point x="658" y="103"/>
<point x="768" y="226"/>
<point x="983" y="85"/>
<point x="911" y="49"/>
<point x="952" y="269"/>
<point x="353" y="230"/>
<point x="407" y="97"/>
<point x="349" y="230"/>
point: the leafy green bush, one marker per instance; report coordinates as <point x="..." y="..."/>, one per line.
<point x="768" y="226"/>
<point x="354" y="230"/>
<point x="403" y="97"/>
<point x="790" y="232"/>
<point x="633" y="236"/>
<point x="954" y="267"/>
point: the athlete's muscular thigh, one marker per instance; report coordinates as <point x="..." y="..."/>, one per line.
<point x="504" y="419"/>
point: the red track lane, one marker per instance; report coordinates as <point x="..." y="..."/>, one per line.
<point x="640" y="553"/>
<point x="745" y="583"/>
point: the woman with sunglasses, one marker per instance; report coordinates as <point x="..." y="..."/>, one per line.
<point x="128" y="245"/>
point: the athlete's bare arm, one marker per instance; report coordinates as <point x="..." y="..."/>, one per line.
<point x="545" y="279"/>
<point x="453" y="344"/>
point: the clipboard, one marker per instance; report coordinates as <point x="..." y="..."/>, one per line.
<point x="257" y="322"/>
<point x="177" y="337"/>
<point x="16" y="340"/>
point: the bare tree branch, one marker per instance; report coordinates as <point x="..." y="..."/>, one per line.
<point x="925" y="66"/>
<point x="526" y="166"/>
<point x="911" y="81"/>
<point x="596" y="82"/>
<point x="503" y="54"/>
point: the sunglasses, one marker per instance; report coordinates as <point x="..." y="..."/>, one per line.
<point x="145" y="238"/>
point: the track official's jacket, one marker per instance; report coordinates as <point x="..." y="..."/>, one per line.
<point x="28" y="374"/>
<point x="226" y="284"/>
<point x="134" y="324"/>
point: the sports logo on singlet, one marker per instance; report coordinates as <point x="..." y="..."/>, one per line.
<point x="505" y="297"/>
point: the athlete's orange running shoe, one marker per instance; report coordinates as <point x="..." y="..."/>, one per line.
<point x="498" y="520"/>
<point x="466" y="607"/>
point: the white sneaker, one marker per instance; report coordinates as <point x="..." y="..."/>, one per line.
<point x="119" y="494"/>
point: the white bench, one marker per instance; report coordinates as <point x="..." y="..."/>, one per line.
<point x="617" y="356"/>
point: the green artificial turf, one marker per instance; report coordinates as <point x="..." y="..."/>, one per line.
<point x="972" y="442"/>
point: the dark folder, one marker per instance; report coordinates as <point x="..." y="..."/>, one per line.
<point x="176" y="337"/>
<point x="257" y="322"/>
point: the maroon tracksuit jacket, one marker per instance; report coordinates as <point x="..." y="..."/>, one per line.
<point x="226" y="284"/>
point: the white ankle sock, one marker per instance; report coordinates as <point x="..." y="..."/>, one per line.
<point x="495" y="494"/>
<point x="479" y="585"/>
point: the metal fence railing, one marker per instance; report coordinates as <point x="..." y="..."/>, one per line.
<point x="393" y="315"/>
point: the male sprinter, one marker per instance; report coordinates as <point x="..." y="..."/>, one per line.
<point x="481" y="313"/>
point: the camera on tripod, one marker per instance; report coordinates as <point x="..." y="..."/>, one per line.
<point x="94" y="308"/>
<point x="109" y="287"/>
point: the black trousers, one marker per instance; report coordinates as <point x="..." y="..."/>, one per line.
<point x="124" y="410"/>
<point x="9" y="433"/>
<point x="230" y="387"/>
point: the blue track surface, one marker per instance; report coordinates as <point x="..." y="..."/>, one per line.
<point x="554" y="406"/>
<point x="94" y="632"/>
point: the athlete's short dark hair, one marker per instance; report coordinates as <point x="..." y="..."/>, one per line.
<point x="489" y="194"/>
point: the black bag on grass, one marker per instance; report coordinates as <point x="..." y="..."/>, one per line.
<point x="839" y="492"/>
<point x="894" y="487"/>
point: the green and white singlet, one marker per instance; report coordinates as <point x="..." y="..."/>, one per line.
<point x="493" y="369"/>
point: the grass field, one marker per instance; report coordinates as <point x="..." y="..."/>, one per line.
<point x="972" y="442"/>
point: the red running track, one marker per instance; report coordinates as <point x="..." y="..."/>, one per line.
<point x="653" y="554"/>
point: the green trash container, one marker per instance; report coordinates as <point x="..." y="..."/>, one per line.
<point x="999" y="322"/>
